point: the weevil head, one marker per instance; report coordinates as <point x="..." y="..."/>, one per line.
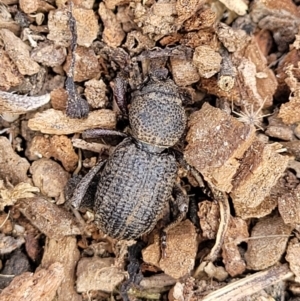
<point x="156" y="114"/>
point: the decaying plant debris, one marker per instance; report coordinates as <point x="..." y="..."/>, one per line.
<point x="237" y="65"/>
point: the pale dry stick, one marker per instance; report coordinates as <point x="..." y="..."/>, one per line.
<point x="6" y="219"/>
<point x="250" y="285"/>
<point x="9" y="131"/>
<point x="222" y="200"/>
<point x="79" y="164"/>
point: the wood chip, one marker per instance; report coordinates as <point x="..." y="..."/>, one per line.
<point x="53" y="221"/>
<point x="292" y="256"/>
<point x="49" y="177"/>
<point x="236" y="233"/>
<point x="56" y="122"/>
<point x="98" y="274"/>
<point x="269" y="239"/>
<point x="258" y="172"/>
<point x="217" y="159"/>
<point x="207" y="60"/>
<point x="181" y="251"/>
<point x="18" y="51"/>
<point x="41" y="285"/>
<point x="58" y="147"/>
<point x="64" y="251"/>
<point x="16" y="171"/>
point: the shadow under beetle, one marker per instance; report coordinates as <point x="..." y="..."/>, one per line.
<point x="135" y="183"/>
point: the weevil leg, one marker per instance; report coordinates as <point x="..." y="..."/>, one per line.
<point x="133" y="268"/>
<point x="84" y="184"/>
<point x="119" y="87"/>
<point x="181" y="201"/>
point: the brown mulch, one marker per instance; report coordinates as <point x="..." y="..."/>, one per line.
<point x="237" y="66"/>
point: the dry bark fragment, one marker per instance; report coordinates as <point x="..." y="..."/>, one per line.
<point x="236" y="233"/>
<point x="217" y="159"/>
<point x="48" y="54"/>
<point x="290" y="112"/>
<point x="86" y="64"/>
<point x="212" y="87"/>
<point x="282" y="18"/>
<point x="239" y="7"/>
<point x="9" y="74"/>
<point x="59" y="98"/>
<point x="158" y="20"/>
<point x="12" y="167"/>
<point x="95" y="93"/>
<point x="232" y="39"/>
<point x="87" y="26"/>
<point x="64" y="251"/>
<point x="7" y="21"/>
<point x="18" y="52"/>
<point x="31" y="6"/>
<point x="49" y="177"/>
<point x="58" y="147"/>
<point x="56" y="122"/>
<point x="113" y="33"/>
<point x="8" y="243"/>
<point x="58" y="27"/>
<point x="186" y="9"/>
<point x="111" y="4"/>
<point x="98" y="274"/>
<point x="207" y="60"/>
<point x="181" y="251"/>
<point x="289" y="206"/>
<point x="41" y="285"/>
<point x="263" y="209"/>
<point x="136" y="42"/>
<point x="258" y="172"/>
<point x="194" y="39"/>
<point x="209" y="215"/>
<point x="292" y="256"/>
<point x="288" y="73"/>
<point x="262" y="84"/>
<point x="269" y="239"/>
<point x="202" y="19"/>
<point x="184" y="72"/>
<point x="50" y="219"/>
<point x="281" y="132"/>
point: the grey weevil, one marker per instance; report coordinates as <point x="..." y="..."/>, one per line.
<point x="139" y="178"/>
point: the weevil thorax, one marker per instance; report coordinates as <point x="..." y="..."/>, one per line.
<point x="156" y="114"/>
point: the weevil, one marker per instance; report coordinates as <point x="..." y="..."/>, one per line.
<point x="134" y="185"/>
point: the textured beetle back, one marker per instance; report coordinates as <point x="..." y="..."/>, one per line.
<point x="156" y="114"/>
<point x="133" y="190"/>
